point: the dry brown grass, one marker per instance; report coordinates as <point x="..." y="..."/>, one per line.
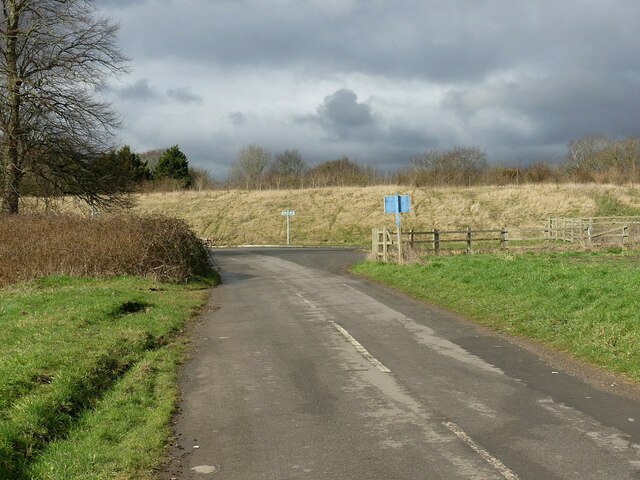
<point x="346" y="215"/>
<point x="33" y="246"/>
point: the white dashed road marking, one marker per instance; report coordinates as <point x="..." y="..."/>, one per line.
<point x="490" y="459"/>
<point x="358" y="346"/>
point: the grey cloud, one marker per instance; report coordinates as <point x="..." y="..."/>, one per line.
<point x="355" y="127"/>
<point x="342" y="109"/>
<point x="411" y="138"/>
<point x="455" y="40"/>
<point x="138" y="91"/>
<point x="183" y="95"/>
<point x="558" y="107"/>
<point x="343" y="116"/>
<point x="237" y="118"/>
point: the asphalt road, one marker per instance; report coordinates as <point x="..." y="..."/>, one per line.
<point x="304" y="372"/>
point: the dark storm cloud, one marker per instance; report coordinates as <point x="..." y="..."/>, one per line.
<point x="344" y="118"/>
<point x="456" y="40"/>
<point x="342" y="109"/>
<point x="341" y="115"/>
<point x="559" y="107"/>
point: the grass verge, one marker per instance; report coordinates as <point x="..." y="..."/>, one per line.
<point x="586" y="304"/>
<point x="87" y="375"/>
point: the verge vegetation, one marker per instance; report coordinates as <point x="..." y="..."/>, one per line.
<point x="156" y="247"/>
<point x="584" y="303"/>
<point x="88" y="365"/>
<point x="87" y="383"/>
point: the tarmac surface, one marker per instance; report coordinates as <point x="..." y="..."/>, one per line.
<point x="302" y="371"/>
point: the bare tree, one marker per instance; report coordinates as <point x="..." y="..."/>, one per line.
<point x="250" y="167"/>
<point x="54" y="55"/>
<point x="633" y="159"/>
<point x="467" y="164"/>
<point x="201" y="179"/>
<point x="342" y="172"/>
<point x="584" y="156"/>
<point x="622" y="158"/>
<point x="288" y="169"/>
<point x="458" y="166"/>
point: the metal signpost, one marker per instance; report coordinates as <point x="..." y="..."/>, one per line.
<point x="397" y="204"/>
<point x="288" y="213"/>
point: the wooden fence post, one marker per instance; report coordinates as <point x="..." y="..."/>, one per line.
<point x="384" y="244"/>
<point x="468" y="239"/>
<point x="504" y="238"/>
<point x="625" y="235"/>
<point x="581" y="228"/>
<point x="411" y="238"/>
<point x="436" y="241"/>
<point x="375" y="251"/>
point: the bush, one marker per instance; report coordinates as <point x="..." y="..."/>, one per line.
<point x="160" y="248"/>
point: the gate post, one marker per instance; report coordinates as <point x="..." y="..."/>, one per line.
<point x="384" y="244"/>
<point x="504" y="238"/>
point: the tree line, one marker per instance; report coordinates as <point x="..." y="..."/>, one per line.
<point x="593" y="158"/>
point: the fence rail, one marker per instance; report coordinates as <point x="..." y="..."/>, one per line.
<point x="384" y="243"/>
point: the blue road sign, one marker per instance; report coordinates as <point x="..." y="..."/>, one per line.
<point x="397" y="204"/>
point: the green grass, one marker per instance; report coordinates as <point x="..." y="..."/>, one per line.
<point x="609" y="206"/>
<point x="586" y="304"/>
<point x="87" y="375"/>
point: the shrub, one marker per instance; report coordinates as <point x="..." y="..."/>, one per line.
<point x="161" y="248"/>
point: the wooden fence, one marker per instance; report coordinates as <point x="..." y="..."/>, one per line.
<point x="384" y="241"/>
<point x="593" y="230"/>
<point x="558" y="233"/>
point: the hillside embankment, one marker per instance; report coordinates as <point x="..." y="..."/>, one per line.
<point x="346" y="215"/>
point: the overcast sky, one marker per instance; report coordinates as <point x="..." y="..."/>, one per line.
<point x="378" y="81"/>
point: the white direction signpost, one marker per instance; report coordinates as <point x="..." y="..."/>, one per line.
<point x="288" y="213"/>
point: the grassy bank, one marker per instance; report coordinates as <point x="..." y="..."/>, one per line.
<point x="346" y="215"/>
<point x="87" y="375"/>
<point x="586" y="304"/>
